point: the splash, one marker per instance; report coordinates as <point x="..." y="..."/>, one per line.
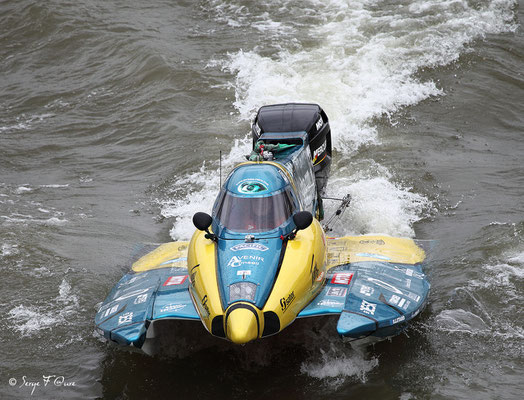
<point x="337" y="364"/>
<point x="360" y="61"/>
<point x="31" y="320"/>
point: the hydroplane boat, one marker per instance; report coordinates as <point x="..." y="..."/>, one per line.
<point x="262" y="258"/>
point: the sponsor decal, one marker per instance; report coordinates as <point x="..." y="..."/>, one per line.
<point x="175" y="280"/>
<point x="204" y="304"/>
<point x="249" y="246"/>
<point x="110" y="311"/>
<point x="140" y="299"/>
<point x="342" y="278"/>
<point x="234" y="262"/>
<point x="321" y="149"/>
<point x="172" y="307"/>
<point x="337" y="291"/>
<point x="320" y="277"/>
<point x="252" y="186"/>
<point x="131" y="294"/>
<point x="394" y="299"/>
<point x="384" y="285"/>
<point x="125" y="318"/>
<point x="285" y="302"/>
<point x="368" y="308"/>
<point x="366" y="290"/>
<point x="380" y="242"/>
<point x="174" y="260"/>
<point x="406" y="305"/>
<point x="401" y="302"/>
<point x="399" y="319"/>
<point x="237" y="261"/>
<point x="314" y="271"/>
<point x="408" y="283"/>
<point x="244" y="273"/>
<point x="380" y="257"/>
<point x="413" y="273"/>
<point x="414" y="296"/>
<point x="318" y="125"/>
<point x="330" y="303"/>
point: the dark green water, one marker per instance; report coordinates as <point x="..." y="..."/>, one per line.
<point x="112" y="115"/>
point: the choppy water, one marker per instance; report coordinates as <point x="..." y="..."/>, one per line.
<point x="112" y="116"/>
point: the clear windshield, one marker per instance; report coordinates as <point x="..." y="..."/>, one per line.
<point x="254" y="214"/>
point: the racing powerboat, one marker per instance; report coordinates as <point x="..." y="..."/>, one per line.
<point x="262" y="258"/>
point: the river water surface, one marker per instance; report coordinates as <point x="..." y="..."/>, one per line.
<point x="112" y="117"/>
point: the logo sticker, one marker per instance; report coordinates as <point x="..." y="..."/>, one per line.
<point x="174" y="260"/>
<point x="124" y="318"/>
<point x="394" y="299"/>
<point x="368" y="308"/>
<point x="237" y="261"/>
<point x="252" y="186"/>
<point x="244" y="273"/>
<point x="249" y="246"/>
<point x="110" y="311"/>
<point x="342" y="278"/>
<point x="140" y="299"/>
<point x="172" y="307"/>
<point x="285" y="302"/>
<point x="330" y="303"/>
<point x="399" y="319"/>
<point x="366" y="290"/>
<point x="175" y="280"/>
<point x="337" y="291"/>
<point x="378" y="256"/>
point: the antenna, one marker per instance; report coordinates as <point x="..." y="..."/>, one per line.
<point x="220" y="167"/>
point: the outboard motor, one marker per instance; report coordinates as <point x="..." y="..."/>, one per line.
<point x="300" y="117"/>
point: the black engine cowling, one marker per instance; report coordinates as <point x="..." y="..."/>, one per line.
<point x="300" y="117"/>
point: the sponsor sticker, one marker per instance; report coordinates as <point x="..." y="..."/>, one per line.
<point x="378" y="256"/>
<point x="140" y="299"/>
<point x="394" y="299"/>
<point x="414" y="296"/>
<point x="174" y="260"/>
<point x="337" y="291"/>
<point x="330" y="303"/>
<point x="237" y="261"/>
<point x="406" y="305"/>
<point x="125" y="318"/>
<point x="384" y="285"/>
<point x="380" y="242"/>
<point x="244" y="273"/>
<point x="399" y="319"/>
<point x="285" y="302"/>
<point x="110" y="311"/>
<point x="175" y="280"/>
<point x="401" y="302"/>
<point x="368" y="308"/>
<point x="342" y="278"/>
<point x="172" y="307"/>
<point x="249" y="246"/>
<point x="366" y="290"/>
<point x="252" y="186"/>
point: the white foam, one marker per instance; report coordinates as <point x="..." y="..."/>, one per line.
<point x="335" y="363"/>
<point x="459" y="320"/>
<point x="29" y="320"/>
<point x="55" y="186"/>
<point x="359" y="62"/>
<point x="8" y="249"/>
<point x="23" y="189"/>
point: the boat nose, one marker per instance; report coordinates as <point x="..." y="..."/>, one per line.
<point x="242" y="324"/>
